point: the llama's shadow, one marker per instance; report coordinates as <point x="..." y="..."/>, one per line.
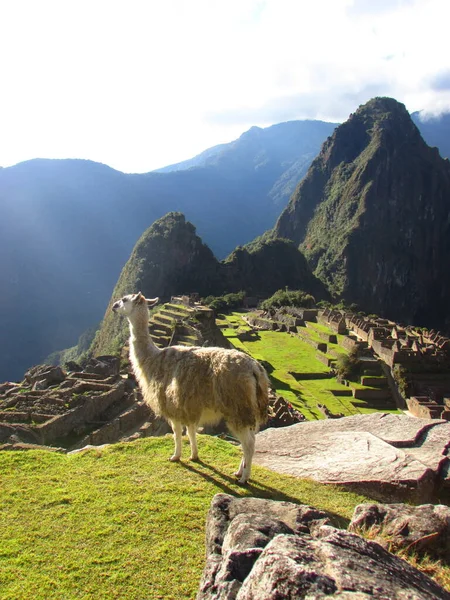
<point x="216" y="480"/>
<point x="254" y="488"/>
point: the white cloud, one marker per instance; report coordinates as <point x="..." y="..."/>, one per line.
<point x="143" y="83"/>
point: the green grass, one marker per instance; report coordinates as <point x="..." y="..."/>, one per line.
<point x="287" y="353"/>
<point x="122" y="521"/>
<point x="235" y="318"/>
<point x="321" y="328"/>
<point x="290" y="353"/>
<point x="311" y="334"/>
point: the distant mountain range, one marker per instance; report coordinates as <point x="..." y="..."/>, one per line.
<point x="67" y="227"/>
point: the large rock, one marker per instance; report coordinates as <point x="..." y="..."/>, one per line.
<point x="103" y="365"/>
<point x="265" y="550"/>
<point x="404" y="526"/>
<point x="43" y="376"/>
<point x="389" y="457"/>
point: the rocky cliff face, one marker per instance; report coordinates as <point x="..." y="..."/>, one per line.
<point x="373" y="216"/>
<point x="267" y="266"/>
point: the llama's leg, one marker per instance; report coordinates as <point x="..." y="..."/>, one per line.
<point x="239" y="472"/>
<point x="192" y="433"/>
<point x="247" y="439"/>
<point x="177" y="436"/>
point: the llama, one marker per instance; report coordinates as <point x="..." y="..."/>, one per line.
<point x="195" y="386"/>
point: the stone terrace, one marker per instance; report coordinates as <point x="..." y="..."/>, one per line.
<point x="55" y="407"/>
<point x="424" y="357"/>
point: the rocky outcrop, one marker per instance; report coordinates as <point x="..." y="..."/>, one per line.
<point x="389" y="457"/>
<point x="264" y="550"/>
<point x="372" y="216"/>
<point x="418" y="528"/>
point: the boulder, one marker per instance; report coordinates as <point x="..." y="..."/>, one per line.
<point x="7" y="387"/>
<point x="72" y="366"/>
<point x="265" y="550"/>
<point x="103" y="365"/>
<point x="389" y="457"/>
<point x="44" y="376"/>
<point x="404" y="526"/>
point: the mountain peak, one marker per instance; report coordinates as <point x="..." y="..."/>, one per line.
<point x="372" y="212"/>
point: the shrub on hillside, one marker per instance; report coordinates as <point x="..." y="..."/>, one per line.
<point x="296" y="298"/>
<point x="341" y="305"/>
<point x="225" y="302"/>
<point x="402" y="380"/>
<point x="348" y="366"/>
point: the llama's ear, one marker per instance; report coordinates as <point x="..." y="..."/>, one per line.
<point x="152" y="301"/>
<point x="139" y="298"/>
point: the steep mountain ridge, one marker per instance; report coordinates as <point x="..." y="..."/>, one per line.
<point x="373" y="216"/>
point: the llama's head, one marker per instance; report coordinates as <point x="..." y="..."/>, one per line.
<point x="133" y="303"/>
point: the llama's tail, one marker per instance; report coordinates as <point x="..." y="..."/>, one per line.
<point x="262" y="393"/>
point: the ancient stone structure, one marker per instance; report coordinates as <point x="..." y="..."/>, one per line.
<point x="261" y="549"/>
<point x="54" y="407"/>
<point x="334" y="319"/>
<point x="281" y="412"/>
<point x="424" y="355"/>
<point x="399" y="345"/>
<point x="424" y="407"/>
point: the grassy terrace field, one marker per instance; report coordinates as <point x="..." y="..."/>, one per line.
<point x="122" y="521"/>
<point x="288" y="354"/>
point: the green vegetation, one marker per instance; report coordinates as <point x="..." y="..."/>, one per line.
<point x="225" y="302"/>
<point x="267" y="265"/>
<point x="434" y="565"/>
<point x="289" y="298"/>
<point x="122" y="521"/>
<point x="402" y="379"/>
<point x="291" y="354"/>
<point x="349" y="366"/>
<point x="158" y="267"/>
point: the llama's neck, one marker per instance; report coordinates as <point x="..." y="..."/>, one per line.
<point x="141" y="344"/>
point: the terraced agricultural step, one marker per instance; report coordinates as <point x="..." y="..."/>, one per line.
<point x="378" y="382"/>
<point x="161" y="341"/>
<point x="183" y="343"/>
<point x="180" y="309"/>
<point x="158" y="324"/>
<point x="131" y="418"/>
<point x="159" y="328"/>
<point x="343" y="393"/>
<point x="186" y="341"/>
<point x="160" y="318"/>
<point x="371" y="394"/>
<point x="176" y="316"/>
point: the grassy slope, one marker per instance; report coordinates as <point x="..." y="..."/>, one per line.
<point x="122" y="521"/>
<point x="286" y="353"/>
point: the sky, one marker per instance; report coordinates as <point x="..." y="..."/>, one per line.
<point x="141" y="84"/>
